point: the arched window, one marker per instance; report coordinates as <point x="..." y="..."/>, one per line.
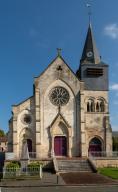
<point x="95" y="141"/>
<point x="97" y="107"/>
<point x="102" y="106"/>
<point x="90" y="106"/>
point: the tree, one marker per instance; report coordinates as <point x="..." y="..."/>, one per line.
<point x="115" y="143"/>
<point x="2" y="134"/>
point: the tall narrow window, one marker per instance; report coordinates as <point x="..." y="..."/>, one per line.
<point x="88" y="107"/>
<point x="97" y="107"/>
<point x="102" y="107"/>
<point x="92" y="106"/>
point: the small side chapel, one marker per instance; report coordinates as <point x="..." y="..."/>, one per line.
<point x="68" y="114"/>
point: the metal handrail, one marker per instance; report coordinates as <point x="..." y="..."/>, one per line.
<point x="17" y="172"/>
<point x="103" y="154"/>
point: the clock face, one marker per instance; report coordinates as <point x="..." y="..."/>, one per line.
<point x="89" y="54"/>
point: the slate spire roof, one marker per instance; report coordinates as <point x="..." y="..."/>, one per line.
<point x="90" y="53"/>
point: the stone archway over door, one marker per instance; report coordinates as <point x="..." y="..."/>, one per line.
<point x="60" y="146"/>
<point x="95" y="147"/>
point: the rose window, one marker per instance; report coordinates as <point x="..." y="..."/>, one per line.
<point x="59" y="96"/>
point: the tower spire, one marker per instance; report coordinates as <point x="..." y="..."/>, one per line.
<point x="90" y="53"/>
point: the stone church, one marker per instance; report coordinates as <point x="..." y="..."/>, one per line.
<point x="68" y="114"/>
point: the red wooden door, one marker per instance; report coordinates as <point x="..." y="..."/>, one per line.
<point x="95" y="147"/>
<point x="60" y="146"/>
<point x="95" y="150"/>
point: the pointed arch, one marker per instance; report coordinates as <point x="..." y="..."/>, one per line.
<point x="26" y="135"/>
<point x="95" y="146"/>
<point x="59" y="121"/>
<point x="59" y="82"/>
<point x="61" y="136"/>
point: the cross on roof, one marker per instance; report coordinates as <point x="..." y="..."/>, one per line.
<point x="59" y="51"/>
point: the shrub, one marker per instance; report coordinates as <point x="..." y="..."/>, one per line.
<point x="13" y="165"/>
<point x="12" y="169"/>
<point x="34" y="168"/>
<point x="34" y="165"/>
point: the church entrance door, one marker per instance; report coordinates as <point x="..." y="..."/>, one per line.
<point x="95" y="147"/>
<point x="60" y="146"/>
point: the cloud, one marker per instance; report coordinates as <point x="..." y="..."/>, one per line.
<point x="111" y="30"/>
<point x="114" y="87"/>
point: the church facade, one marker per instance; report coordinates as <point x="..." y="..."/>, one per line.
<point x="68" y="114"/>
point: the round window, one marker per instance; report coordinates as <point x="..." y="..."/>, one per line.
<point x="59" y="96"/>
<point x="26" y="119"/>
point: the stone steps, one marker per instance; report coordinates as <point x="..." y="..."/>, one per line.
<point x="69" y="165"/>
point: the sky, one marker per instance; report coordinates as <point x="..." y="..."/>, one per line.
<point x="32" y="30"/>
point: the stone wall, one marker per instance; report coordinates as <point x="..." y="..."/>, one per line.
<point x="49" y="113"/>
<point x="19" y="128"/>
<point x="100" y="163"/>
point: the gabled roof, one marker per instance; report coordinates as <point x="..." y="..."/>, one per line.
<point x="90" y="53"/>
<point x="22" y="101"/>
<point x="58" y="56"/>
<point x="61" y="117"/>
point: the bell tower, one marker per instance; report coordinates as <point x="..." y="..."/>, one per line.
<point x="95" y="130"/>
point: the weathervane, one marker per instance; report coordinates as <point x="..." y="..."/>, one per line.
<point x="88" y="5"/>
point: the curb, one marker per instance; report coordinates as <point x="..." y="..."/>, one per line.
<point x="55" y="185"/>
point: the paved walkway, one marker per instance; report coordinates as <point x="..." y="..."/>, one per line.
<point x="48" y="179"/>
<point x="84" y="178"/>
<point x="67" y="179"/>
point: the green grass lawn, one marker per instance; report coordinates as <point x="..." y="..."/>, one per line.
<point x="110" y="172"/>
